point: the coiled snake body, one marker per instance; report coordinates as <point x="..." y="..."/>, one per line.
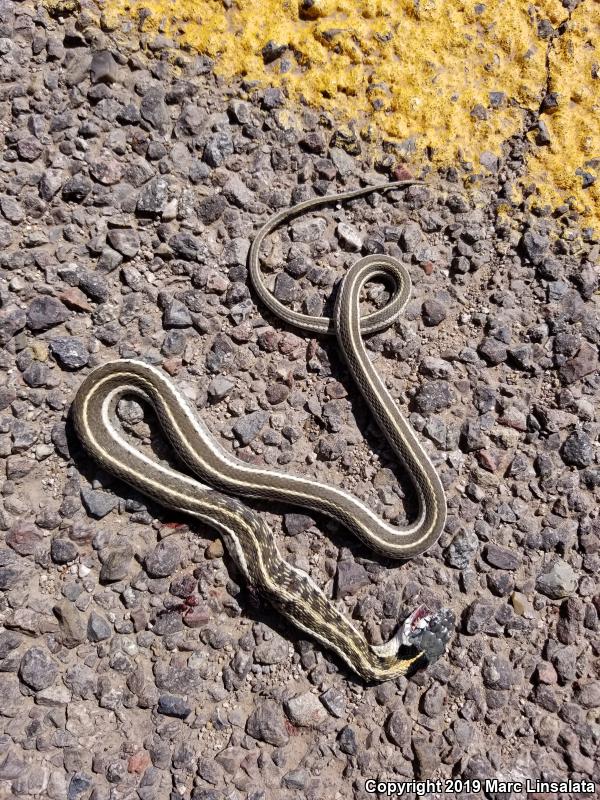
<point x="422" y="638"/>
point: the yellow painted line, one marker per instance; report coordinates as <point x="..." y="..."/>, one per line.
<point x="448" y="80"/>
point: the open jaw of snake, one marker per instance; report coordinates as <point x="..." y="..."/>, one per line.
<point x="423" y="636"/>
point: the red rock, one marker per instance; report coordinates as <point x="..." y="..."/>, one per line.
<point x="172" y="365"/>
<point x="488" y="460"/>
<point x="24" y="538"/>
<point x="197" y="617"/>
<point x="138" y="762"/>
<point x="402" y="173"/>
<point x="545" y="673"/>
<point x="75" y="298"/>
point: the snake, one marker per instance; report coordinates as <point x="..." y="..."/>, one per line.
<point x="211" y="493"/>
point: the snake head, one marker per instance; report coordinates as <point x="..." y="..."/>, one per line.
<point x="419" y="641"/>
<point x="427" y="633"/>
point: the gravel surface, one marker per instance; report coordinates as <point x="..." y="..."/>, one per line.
<point x="132" y="663"/>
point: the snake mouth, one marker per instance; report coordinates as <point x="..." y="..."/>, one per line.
<point x="428" y="631"/>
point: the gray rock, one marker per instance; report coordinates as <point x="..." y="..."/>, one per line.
<point x="350" y="577"/>
<point x="472" y="437"/>
<point x="497" y="673"/>
<point x="558" y="581"/>
<point x="492" y="350"/>
<point x="501" y="558"/>
<point x="72" y="627"/>
<point x="129" y="114"/>
<point x="247" y="428"/>
<point x="18" y="467"/>
<point x="349" y="237"/>
<point x="172" y="706"/>
<point x="433" y="701"/>
<point x="410" y="237"/>
<point x="125" y="241"/>
<point x="240" y="111"/>
<point x="462" y="549"/>
<point x="24" y="436"/>
<point x="489" y="161"/>
<point x="347" y="741"/>
<point x="230" y="758"/>
<point x="218" y="148"/>
<point x="37" y="669"/>
<point x="535" y="246"/>
<point x="154" y="109"/>
<point x="334" y="701"/>
<point x="8" y="395"/>
<point x="70" y="352"/>
<point x="273" y="651"/>
<point x="267" y="724"/>
<point x="106" y="170"/>
<point x="98" y="503"/>
<point x="313" y="304"/>
<point x="578" y="449"/>
<point x="79" y="785"/>
<point x="584" y="363"/>
<point x="109" y="260"/>
<point x="29" y="149"/>
<point x="426" y="757"/>
<point x="116" y="564"/>
<point x="46" y="312"/>
<point x="286" y="290"/>
<point x="434" y="312"/>
<point x="331" y="447"/>
<point x="103" y="68"/>
<point x="6" y="235"/>
<point x="163" y="560"/>
<point x="186" y="246"/>
<point x="219" y="388"/>
<point x="174" y="343"/>
<point x="12" y="209"/>
<point x="95" y="286"/>
<point x="62" y="551"/>
<point x="297" y="523"/>
<point x="398" y="728"/>
<point x="296" y="779"/>
<point x="478" y="617"/>
<point x="9" y="641"/>
<point x="12" y="320"/>
<point x="50" y="183"/>
<point x="273" y="97"/>
<point x="176" y="315"/>
<point x="191" y="120"/>
<point x="211" y="208"/>
<point x="588" y="694"/>
<point x="98" y="629"/>
<point x="308" y="230"/>
<point x="433" y="397"/>
<point x="36" y="375"/>
<point x="306" y="711"/>
<point x="153" y="197"/>
<point x="221" y="354"/>
<point x="237" y="193"/>
<point x="10" y="575"/>
<point x="241" y="311"/>
<point x="58" y="435"/>
<point x="76" y="189"/>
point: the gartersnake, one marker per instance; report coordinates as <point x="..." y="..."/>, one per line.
<point x="422" y="638"/>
